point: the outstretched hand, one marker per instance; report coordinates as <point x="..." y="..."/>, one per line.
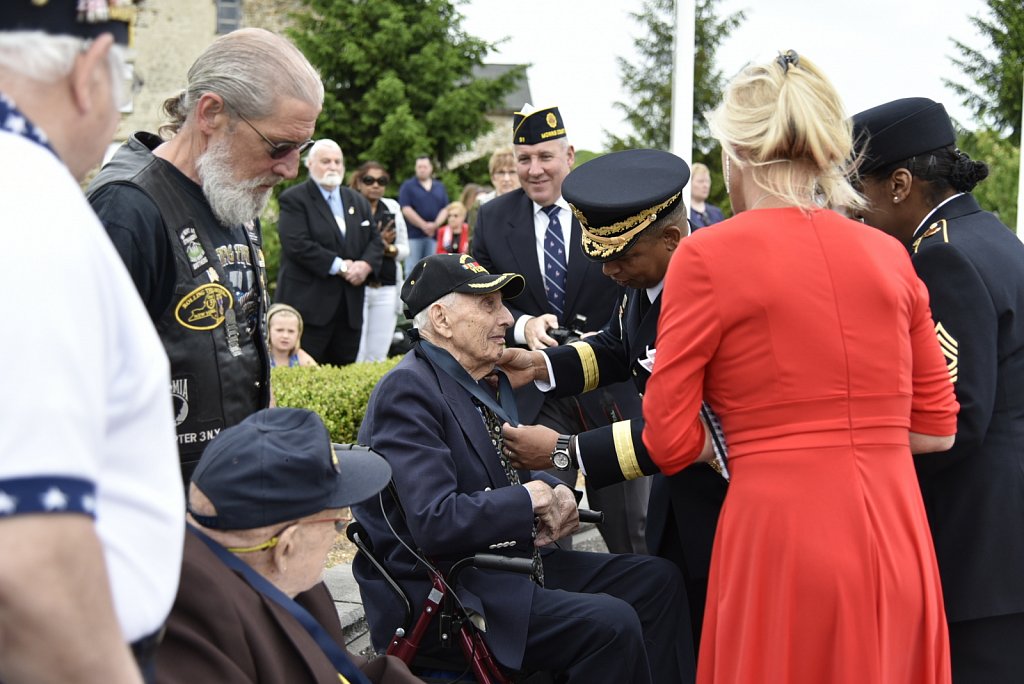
<point x="523" y="366"/>
<point x="529" y="446"/>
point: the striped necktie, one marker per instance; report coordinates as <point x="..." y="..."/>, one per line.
<point x="554" y="262"/>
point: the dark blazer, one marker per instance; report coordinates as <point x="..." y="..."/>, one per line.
<point x="457" y="501"/>
<point x="974" y="493"/>
<point x="504" y="241"/>
<point x="694" y="495"/>
<point x="222" y="630"/>
<point x="310" y="240"/>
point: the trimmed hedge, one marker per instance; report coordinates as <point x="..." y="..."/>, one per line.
<point x="338" y="393"/>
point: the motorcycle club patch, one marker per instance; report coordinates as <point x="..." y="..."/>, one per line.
<point x="205" y="307"/>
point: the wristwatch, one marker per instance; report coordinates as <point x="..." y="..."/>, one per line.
<point x="343" y="268"/>
<point x="560" y="457"/>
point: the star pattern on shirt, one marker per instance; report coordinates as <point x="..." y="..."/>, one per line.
<point x="8" y="503"/>
<point x="54" y="499"/>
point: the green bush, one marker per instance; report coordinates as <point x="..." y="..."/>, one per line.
<point x="339" y="394"/>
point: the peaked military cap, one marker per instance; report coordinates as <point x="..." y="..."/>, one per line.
<point x="616" y="196"/>
<point x="439" y="274"/>
<point x="532" y="126"/>
<point x="898" y="130"/>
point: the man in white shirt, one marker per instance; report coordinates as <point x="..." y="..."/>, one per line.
<point x="91" y="509"/>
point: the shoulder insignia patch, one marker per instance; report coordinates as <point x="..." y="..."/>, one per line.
<point x="950" y="349"/>
<point x="934" y="229"/>
<point x="205" y="307"/>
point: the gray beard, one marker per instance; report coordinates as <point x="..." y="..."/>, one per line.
<point x="232" y="201"/>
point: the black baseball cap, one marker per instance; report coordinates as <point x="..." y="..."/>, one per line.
<point x="63" y="18"/>
<point x="616" y="196"/>
<point x="440" y="274"/>
<point x="279" y="465"/>
<point x="898" y="130"/>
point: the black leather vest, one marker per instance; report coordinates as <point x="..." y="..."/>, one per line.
<point x="220" y="373"/>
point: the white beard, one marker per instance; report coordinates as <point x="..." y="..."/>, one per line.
<point x="232" y="201"/>
<point x="330" y="180"/>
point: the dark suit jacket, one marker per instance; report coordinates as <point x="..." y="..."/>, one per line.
<point x="222" y="630"/>
<point x="974" y="493"/>
<point x="694" y="495"/>
<point x="310" y="240"/>
<point x="457" y="501"/>
<point x="504" y="241"/>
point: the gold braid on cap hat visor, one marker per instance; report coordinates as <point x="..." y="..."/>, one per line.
<point x="498" y="279"/>
<point x="611" y="238"/>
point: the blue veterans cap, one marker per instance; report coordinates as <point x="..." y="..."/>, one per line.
<point x="440" y="274"/>
<point x="616" y="196"/>
<point x="532" y="126"/>
<point x="897" y="130"/>
<point x="279" y="465"/>
<point x="71" y="17"/>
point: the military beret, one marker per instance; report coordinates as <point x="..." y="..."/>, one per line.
<point x="532" y="126"/>
<point x="440" y="274"/>
<point x="64" y="18"/>
<point x="616" y="196"/>
<point x="898" y="130"/>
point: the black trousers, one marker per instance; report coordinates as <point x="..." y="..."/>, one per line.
<point x="336" y="343"/>
<point x="610" y="618"/>
<point x="989" y="650"/>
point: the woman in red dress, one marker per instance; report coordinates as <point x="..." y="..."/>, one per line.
<point x="811" y="337"/>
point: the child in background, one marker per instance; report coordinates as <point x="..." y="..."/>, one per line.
<point x="284" y="328"/>
<point x="454" y="237"/>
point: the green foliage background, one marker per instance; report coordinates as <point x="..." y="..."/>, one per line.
<point x="339" y="394"/>
<point x="649" y="82"/>
<point x="992" y="90"/>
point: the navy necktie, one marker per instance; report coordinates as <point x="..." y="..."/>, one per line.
<point x="554" y="262"/>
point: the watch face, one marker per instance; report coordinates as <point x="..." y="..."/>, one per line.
<point x="560" y="459"/>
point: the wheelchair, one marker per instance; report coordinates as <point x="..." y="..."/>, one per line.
<point x="455" y="625"/>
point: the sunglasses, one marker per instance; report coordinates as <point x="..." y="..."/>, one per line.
<point x="370" y="180"/>
<point x="278" y="150"/>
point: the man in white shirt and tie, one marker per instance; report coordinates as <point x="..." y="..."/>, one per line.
<point x="329" y="247"/>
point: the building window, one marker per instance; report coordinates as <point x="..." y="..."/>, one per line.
<point x="229" y="15"/>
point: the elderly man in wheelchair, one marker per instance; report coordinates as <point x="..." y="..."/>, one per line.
<point x="436" y="418"/>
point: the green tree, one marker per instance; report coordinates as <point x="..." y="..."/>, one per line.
<point x="998" y="192"/>
<point x="649" y="82"/>
<point x="398" y="76"/>
<point x="993" y="88"/>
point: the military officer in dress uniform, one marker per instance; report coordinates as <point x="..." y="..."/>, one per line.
<point x="630" y="207"/>
<point x="918" y="185"/>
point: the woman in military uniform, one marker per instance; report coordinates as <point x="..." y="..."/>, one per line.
<point x="918" y="185"/>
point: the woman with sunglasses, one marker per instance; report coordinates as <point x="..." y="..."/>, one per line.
<point x="380" y="307"/>
<point x="811" y="338"/>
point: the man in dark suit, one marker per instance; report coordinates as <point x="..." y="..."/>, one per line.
<point x="918" y="186"/>
<point x="265" y="504"/>
<point x="639" y="193"/>
<point x="584" y="617"/>
<point x="329" y="246"/>
<point x="532" y="231"/>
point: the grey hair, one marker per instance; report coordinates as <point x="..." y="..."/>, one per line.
<point x="42" y="57"/>
<point x="252" y="70"/>
<point x="39" y="56"/>
<point x="421" y="321"/>
<point x="320" y="144"/>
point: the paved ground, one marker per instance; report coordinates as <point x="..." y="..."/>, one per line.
<point x="350" y="608"/>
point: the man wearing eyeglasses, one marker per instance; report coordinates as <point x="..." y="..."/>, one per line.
<point x="183" y="211"/>
<point x="265" y="505"/>
<point x="90" y="515"/>
<point x="329" y="247"/>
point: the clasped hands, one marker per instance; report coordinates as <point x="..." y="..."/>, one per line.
<point x="356" y="272"/>
<point x="555" y="511"/>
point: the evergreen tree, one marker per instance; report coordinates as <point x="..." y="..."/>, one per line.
<point x="993" y="91"/>
<point x="398" y="78"/>
<point x="649" y="82"/>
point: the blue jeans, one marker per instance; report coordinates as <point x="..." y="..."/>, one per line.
<point x="419" y="247"/>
